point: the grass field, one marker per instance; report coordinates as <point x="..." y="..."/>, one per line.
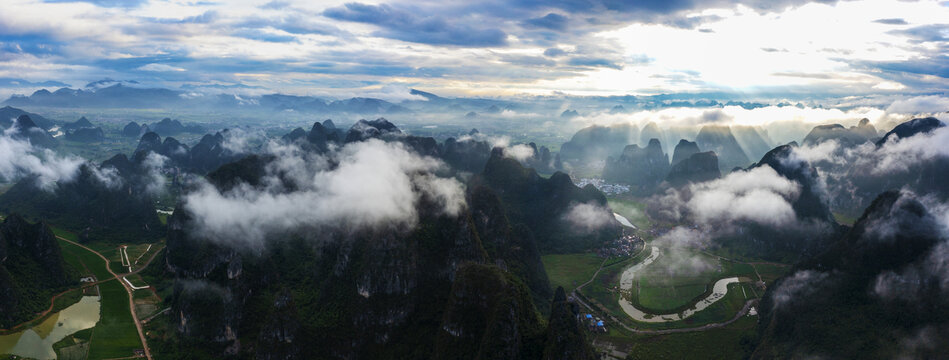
<point x="570" y="270"/>
<point x="769" y="273"/>
<point x="136" y="280"/>
<point x="659" y="289"/>
<point x="730" y="342"/>
<point x="73" y="347"/>
<point x="634" y="211"/>
<point x="84" y="261"/>
<point x="115" y="334"/>
<point x="604" y="290"/>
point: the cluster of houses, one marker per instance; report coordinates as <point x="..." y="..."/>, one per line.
<point x="626" y="245"/>
<point x="594" y="324"/>
<point x="603" y="186"/>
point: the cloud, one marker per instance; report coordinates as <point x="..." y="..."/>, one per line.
<point x="550" y="21"/>
<point x="759" y="195"/>
<point x="926" y="33"/>
<point x="802" y="284"/>
<point x="519" y="152"/>
<point x="554" y="52"/>
<point x="900" y="155"/>
<point x="155" y="181"/>
<point x="413" y="26"/>
<point x="20" y="159"/>
<point x="678" y="251"/>
<point x="105" y="3"/>
<point x="375" y="184"/>
<point x="158" y="67"/>
<point x="240" y="141"/>
<point x="826" y="151"/>
<point x="914" y="216"/>
<point x="891" y="21"/>
<point x="920" y="104"/>
<point x="108" y="176"/>
<point x="594" y="62"/>
<point x="588" y="217"/>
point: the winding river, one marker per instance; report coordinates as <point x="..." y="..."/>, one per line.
<point x="623" y="221"/>
<point x="626" y="282"/>
<point x="37" y="342"/>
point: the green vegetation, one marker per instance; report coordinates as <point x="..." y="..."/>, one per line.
<point x="86" y="262"/>
<point x="604" y="290"/>
<point x="570" y="270"/>
<point x="32" y="271"/>
<point x="136" y="280"/>
<point x="75" y="346"/>
<point x="634" y="211"/>
<point x="115" y="334"/>
<point x="734" y="341"/>
<point x="845" y="219"/>
<point x="657" y="289"/>
<point x="771" y="272"/>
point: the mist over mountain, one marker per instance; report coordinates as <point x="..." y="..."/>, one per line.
<point x="887" y="268"/>
<point x="474" y="180"/>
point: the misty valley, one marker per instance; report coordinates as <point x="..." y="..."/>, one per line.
<point x="557" y="180"/>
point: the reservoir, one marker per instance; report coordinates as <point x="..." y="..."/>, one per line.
<point x="37" y="342"/>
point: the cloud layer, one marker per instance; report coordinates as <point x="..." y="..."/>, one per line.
<point x="578" y="47"/>
<point x="375" y="184"/>
<point x="20" y="159"/>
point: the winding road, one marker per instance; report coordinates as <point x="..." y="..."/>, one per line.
<point x="138" y="324"/>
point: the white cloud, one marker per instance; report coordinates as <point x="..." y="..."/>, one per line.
<point x="375" y="184"/>
<point x="159" y="67"/>
<point x="759" y="195"/>
<point x="800" y="285"/>
<point x="898" y="155"/>
<point x="519" y="152"/>
<point x="588" y="217"/>
<point x="153" y="164"/>
<point x="921" y="104"/>
<point x="19" y="159"/>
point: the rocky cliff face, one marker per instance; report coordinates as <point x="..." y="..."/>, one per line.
<point x="596" y="143"/>
<point x="683" y="150"/>
<point x="644" y="168"/>
<point x="879" y="291"/>
<point x="721" y="140"/>
<point x="86" y="135"/>
<point x="910" y="128"/>
<point x="566" y="338"/>
<point x="847" y="137"/>
<point x="31" y="269"/>
<point x="471" y="281"/>
<point x="25" y="129"/>
<point x="698" y="167"/>
<point x="813" y="227"/>
<point x="103" y="208"/>
<point x="543" y="205"/>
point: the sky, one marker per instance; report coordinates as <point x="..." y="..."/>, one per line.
<point x="481" y="48"/>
